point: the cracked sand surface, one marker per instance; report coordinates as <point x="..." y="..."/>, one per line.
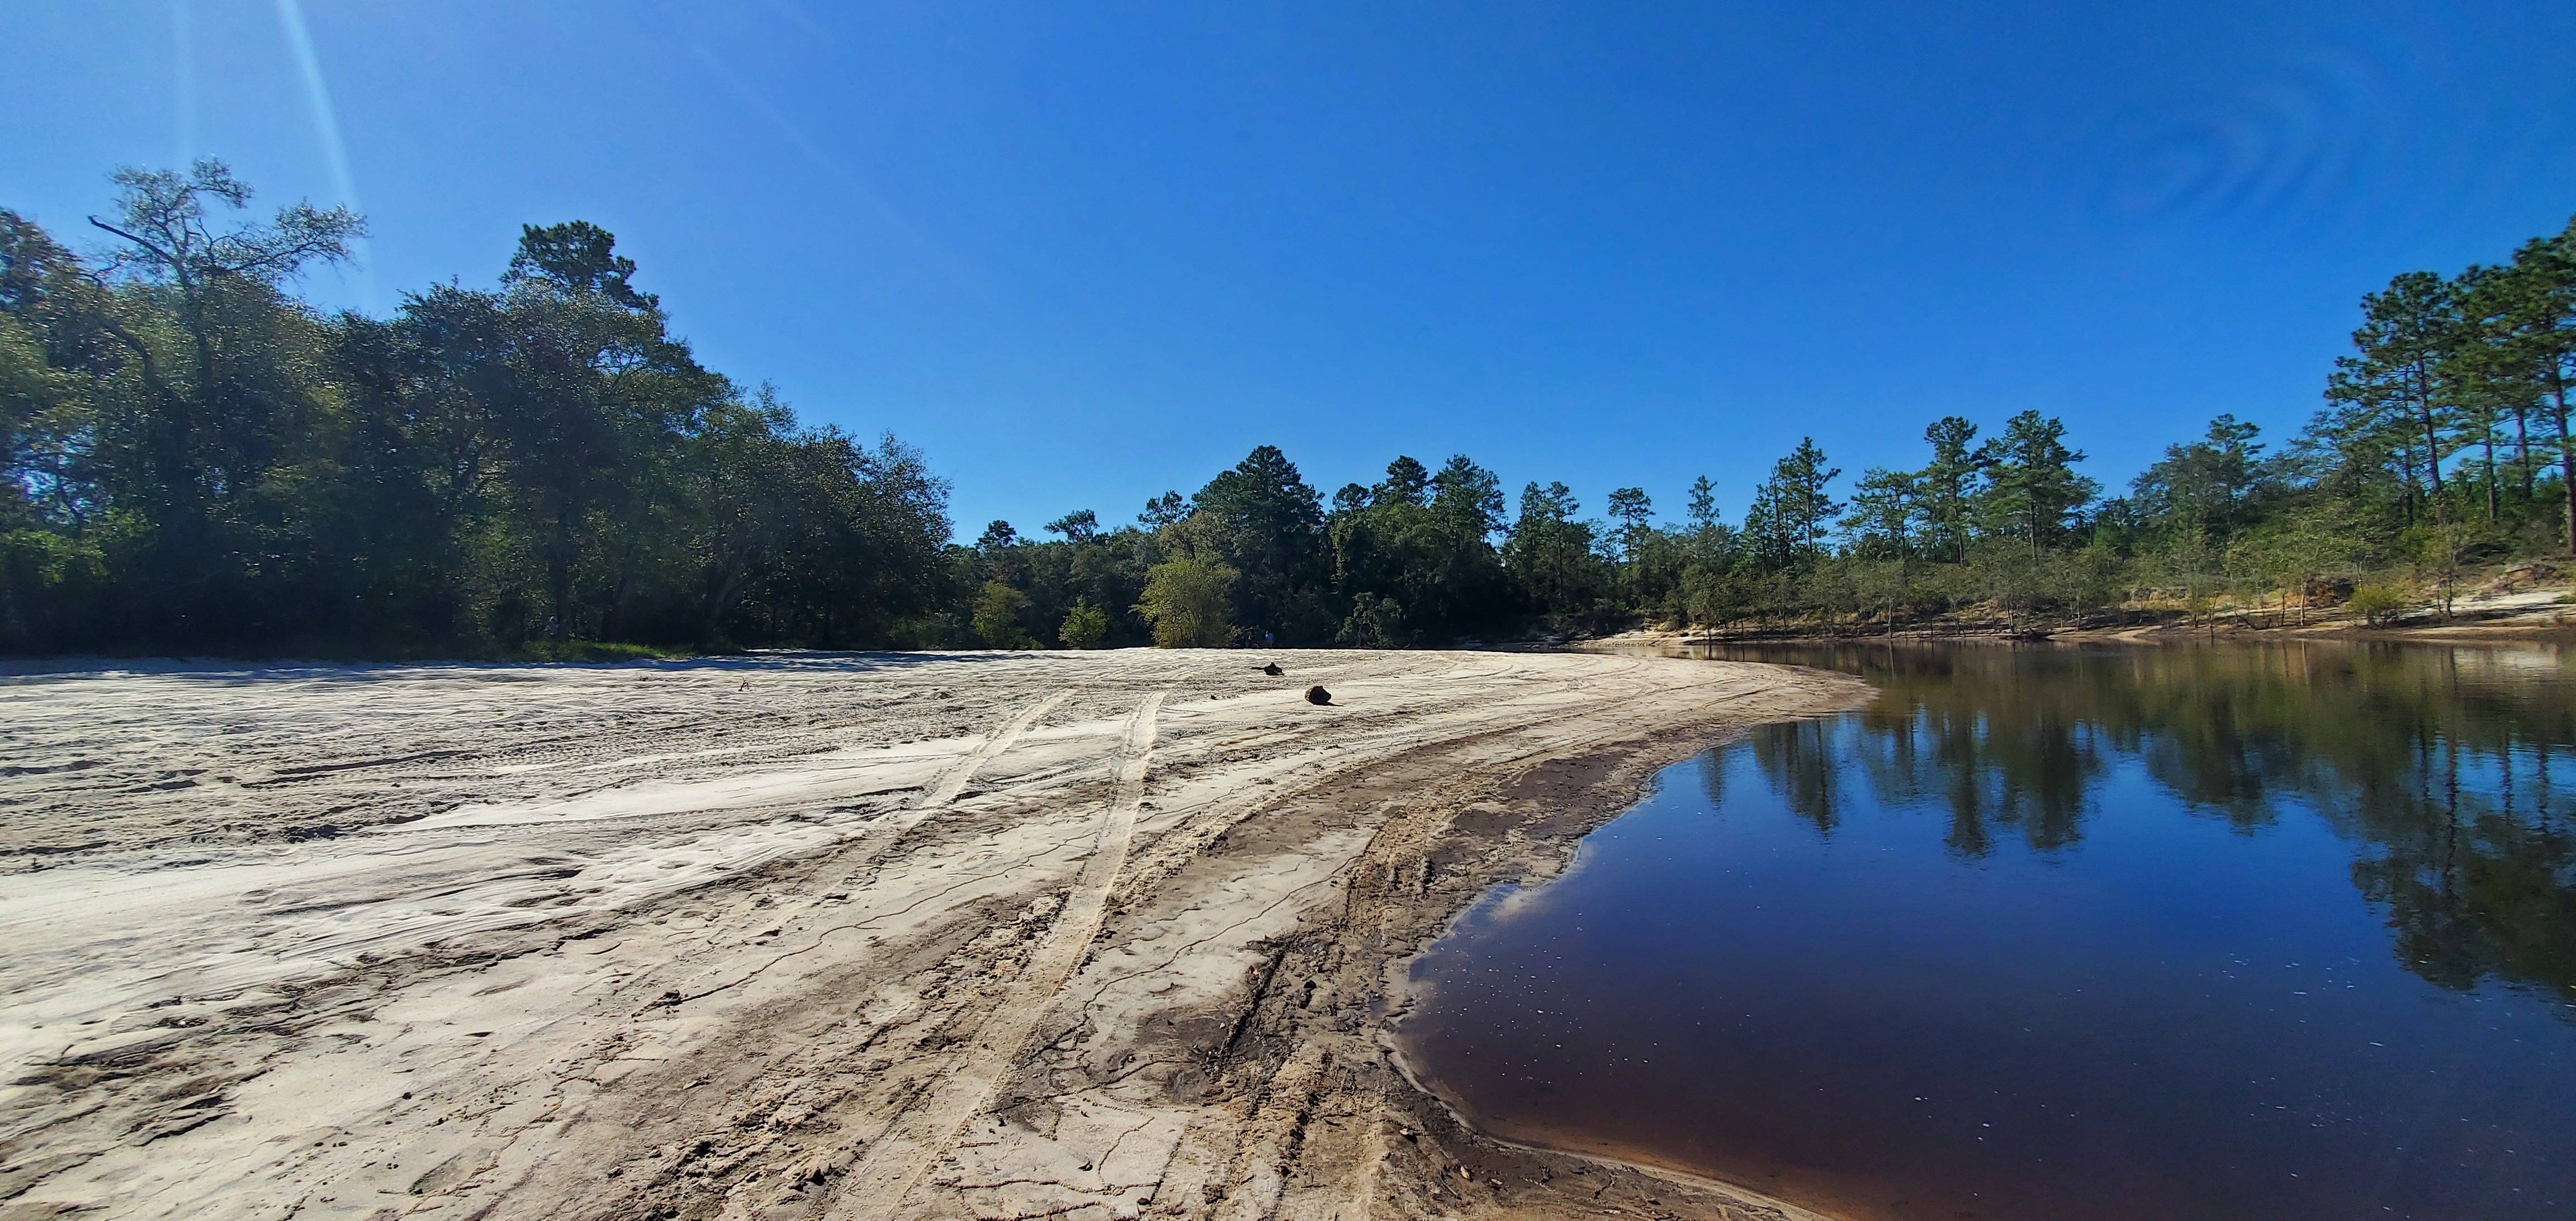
<point x="882" y="936"/>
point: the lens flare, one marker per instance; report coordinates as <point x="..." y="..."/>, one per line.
<point x="183" y="79"/>
<point x="2281" y="149"/>
<point x="326" y="123"/>
<point x="831" y="166"/>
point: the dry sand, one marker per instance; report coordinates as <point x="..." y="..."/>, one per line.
<point x="1002" y="935"/>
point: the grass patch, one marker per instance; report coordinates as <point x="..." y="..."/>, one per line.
<point x="595" y="650"/>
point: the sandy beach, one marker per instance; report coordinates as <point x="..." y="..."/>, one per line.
<point x="865" y="936"/>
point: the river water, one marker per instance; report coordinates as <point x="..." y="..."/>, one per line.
<point x="2049" y="933"/>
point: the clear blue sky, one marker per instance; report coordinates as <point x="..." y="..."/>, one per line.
<point x="1082" y="253"/>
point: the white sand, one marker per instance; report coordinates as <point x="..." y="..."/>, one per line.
<point x="794" y="936"/>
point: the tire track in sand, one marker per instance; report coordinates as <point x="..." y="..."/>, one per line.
<point x="954" y="780"/>
<point x="919" y="1139"/>
<point x="941" y="792"/>
<point x="951" y="782"/>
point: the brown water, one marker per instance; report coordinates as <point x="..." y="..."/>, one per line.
<point x="2051" y="933"/>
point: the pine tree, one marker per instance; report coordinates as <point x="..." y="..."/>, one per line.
<point x="2393" y="382"/>
<point x="1634" y="511"/>
<point x="2034" y="486"/>
<point x="1951" y="483"/>
<point x="1795" y="503"/>
<point x="2529" y="314"/>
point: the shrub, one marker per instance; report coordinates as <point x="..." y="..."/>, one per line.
<point x="997" y="617"/>
<point x="1375" y="623"/>
<point x="1084" y="626"/>
<point x="2378" y="605"/>
<point x="1186" y="601"/>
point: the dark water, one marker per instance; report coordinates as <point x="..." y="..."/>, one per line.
<point x="2045" y="933"/>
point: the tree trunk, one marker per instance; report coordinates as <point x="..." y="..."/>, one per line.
<point x="727" y="589"/>
<point x="2491" y="479"/>
<point x="2432" y="452"/>
<point x="2522" y="448"/>
<point x="559" y="566"/>
<point x="2566" y="457"/>
<point x="2406" y="482"/>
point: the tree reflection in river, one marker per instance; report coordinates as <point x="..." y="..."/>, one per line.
<point x="2439" y="763"/>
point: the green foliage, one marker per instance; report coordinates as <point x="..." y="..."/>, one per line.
<point x="1550" y="555"/>
<point x="45" y="580"/>
<point x="1265" y="524"/>
<point x="577" y="257"/>
<point x="1419" y="548"/>
<point x="1164" y="510"/>
<point x="2032" y="486"/>
<point x="2377" y="605"/>
<point x="592" y="651"/>
<point x="1375" y="623"/>
<point x="162" y="221"/>
<point x="1792" y="510"/>
<point x="1949" y="485"/>
<point x="2003" y="528"/>
<point x="1635" y="512"/>
<point x="1186" y="600"/>
<point x="2217" y="485"/>
<point x="2392" y="388"/>
<point x="1084" y="626"/>
<point x="1079" y="526"/>
<point x="1703" y="504"/>
<point x="198" y="460"/>
<point x="997" y="617"/>
<point x="1885" y="507"/>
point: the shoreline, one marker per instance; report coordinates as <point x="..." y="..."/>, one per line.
<point x="1631" y="1184"/>
<point x="821" y="936"/>
<point x="2151" y="634"/>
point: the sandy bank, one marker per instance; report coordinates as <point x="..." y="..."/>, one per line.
<point x="2552" y="623"/>
<point x="804" y="936"/>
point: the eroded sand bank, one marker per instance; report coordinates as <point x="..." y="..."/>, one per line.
<point x="803" y="936"/>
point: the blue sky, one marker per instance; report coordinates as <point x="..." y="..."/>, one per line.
<point x="1083" y="253"/>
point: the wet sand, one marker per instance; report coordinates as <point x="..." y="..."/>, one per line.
<point x="985" y="935"/>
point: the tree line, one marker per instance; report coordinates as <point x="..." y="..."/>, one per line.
<point x="2444" y="443"/>
<point x="201" y="460"/>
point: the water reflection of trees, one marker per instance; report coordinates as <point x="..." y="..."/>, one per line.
<point x="1800" y="764"/>
<point x="2441" y="762"/>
